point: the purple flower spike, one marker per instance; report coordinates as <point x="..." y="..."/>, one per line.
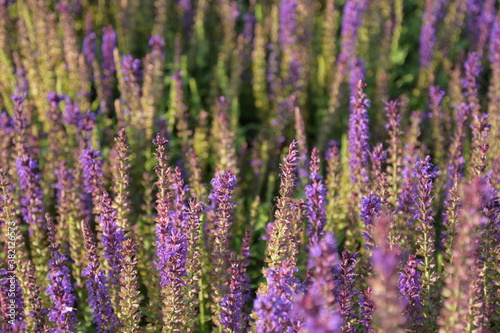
<point x="358" y="136"/>
<point x="89" y="48"/>
<point x="318" y="307"/>
<point x="353" y="17"/>
<point x="346" y="281"/>
<point x="97" y="287"/>
<point x="316" y="200"/>
<point x="60" y="288"/>
<point x="273" y="309"/>
<point x="428" y="32"/>
<point x="409" y="286"/>
<point x="112" y="239"/>
<point x="29" y="183"/>
<point x="426" y="173"/>
<point x="370" y="206"/>
<point x="94" y="178"/>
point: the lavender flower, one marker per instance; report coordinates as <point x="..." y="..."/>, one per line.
<point x="426" y="173"/>
<point x="388" y="305"/>
<point x="472" y="67"/>
<point x="353" y="16"/>
<point x="171" y="247"/>
<point x="367" y="308"/>
<point x="60" y="289"/>
<point x="130" y="313"/>
<point x="112" y="239"/>
<point x="358" y="137"/>
<point x="273" y="310"/>
<point x="435" y="97"/>
<point x="346" y="282"/>
<point x="316" y="201"/>
<point x="93" y="176"/>
<point x="11" y="300"/>
<point x="461" y="272"/>
<point x="233" y="317"/>
<point x="119" y="157"/>
<point x="29" y="183"/>
<point x="97" y="286"/>
<point x="109" y="43"/>
<point x="318" y="305"/>
<point x="370" y="206"/>
<point x="223" y="186"/>
<point x="282" y="230"/>
<point x="409" y="285"/>
<point x="428" y="32"/>
<point x="89" y="49"/>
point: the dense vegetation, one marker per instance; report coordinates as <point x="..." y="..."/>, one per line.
<point x="250" y="166"/>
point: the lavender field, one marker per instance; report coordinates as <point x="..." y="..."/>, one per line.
<point x="265" y="166"/>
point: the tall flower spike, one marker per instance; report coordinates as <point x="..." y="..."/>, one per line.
<point x="233" y="317"/>
<point x="130" y="314"/>
<point x="109" y="43"/>
<point x="435" y="97"/>
<point x="318" y="306"/>
<point x="346" y="281"/>
<point x="409" y="285"/>
<point x="120" y="166"/>
<point x="370" y="206"/>
<point x="461" y="271"/>
<point x="388" y="304"/>
<point x="393" y="127"/>
<point x="97" y="286"/>
<point x="60" y="288"/>
<point x="480" y="130"/>
<point x="283" y="226"/>
<point x="274" y="310"/>
<point x="472" y="68"/>
<point x="112" y="240"/>
<point x="428" y="32"/>
<point x="193" y="261"/>
<point x="94" y="179"/>
<point x="223" y="187"/>
<point x="358" y="137"/>
<point x="316" y="200"/>
<point x="426" y="173"/>
<point x="11" y="300"/>
<point x="171" y="247"/>
<point x="37" y="312"/>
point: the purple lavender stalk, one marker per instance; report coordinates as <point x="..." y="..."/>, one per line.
<point x="112" y="240"/>
<point x="60" y="288"/>
<point x="385" y="281"/>
<point x="410" y="285"/>
<point x="223" y="187"/>
<point x="462" y="270"/>
<point x="233" y="317"/>
<point x="428" y="32"/>
<point x="318" y="307"/>
<point x="97" y="286"/>
<point x="171" y="246"/>
<point x="358" y="137"/>
<point x="109" y="43"/>
<point x="352" y="19"/>
<point x="370" y="206"/>
<point x="316" y="201"/>
<point x="93" y="176"/>
<point x="472" y="68"/>
<point x="426" y="173"/>
<point x="346" y="292"/>
<point x="273" y="310"/>
<point x="11" y="300"/>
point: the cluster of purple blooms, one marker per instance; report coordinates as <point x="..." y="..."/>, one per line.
<point x="334" y="207"/>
